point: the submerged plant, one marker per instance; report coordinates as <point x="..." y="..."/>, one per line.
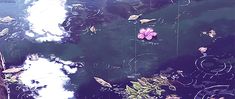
<point x="148" y="88"/>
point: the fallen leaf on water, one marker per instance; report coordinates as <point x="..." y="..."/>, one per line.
<point x="134" y="17"/>
<point x="143" y="21"/>
<point x="6" y="19"/>
<point x="4" y="32"/>
<point x="103" y="82"/>
<point x="93" y="29"/>
<point x="202" y="49"/>
<point x="12" y="70"/>
<point x="172" y="97"/>
<point x="212" y="33"/>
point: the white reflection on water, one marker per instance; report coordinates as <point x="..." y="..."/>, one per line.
<point x="44" y="17"/>
<point x="48" y="73"/>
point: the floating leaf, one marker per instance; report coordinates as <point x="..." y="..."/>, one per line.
<point x="6" y="19"/>
<point x="212" y="33"/>
<point x="103" y="82"/>
<point x="12" y="70"/>
<point x="134" y="17"/>
<point x="4" y="32"/>
<point x="93" y="29"/>
<point x="143" y="21"/>
<point x="202" y="49"/>
<point x="173" y="88"/>
<point x="172" y="96"/>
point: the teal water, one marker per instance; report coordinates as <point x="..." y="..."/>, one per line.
<point x="114" y="52"/>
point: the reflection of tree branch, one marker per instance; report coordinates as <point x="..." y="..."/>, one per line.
<point x="3" y="86"/>
<point x="189" y="1"/>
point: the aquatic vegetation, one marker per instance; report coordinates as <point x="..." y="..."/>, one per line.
<point x="143" y="21"/>
<point x="172" y="96"/>
<point x="146" y="33"/>
<point x="103" y="82"/>
<point x="6" y="19"/>
<point x="134" y="17"/>
<point x="12" y="78"/>
<point x="148" y="88"/>
<point x="4" y="32"/>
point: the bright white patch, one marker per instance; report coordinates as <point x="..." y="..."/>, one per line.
<point x="44" y="17"/>
<point x="48" y="73"/>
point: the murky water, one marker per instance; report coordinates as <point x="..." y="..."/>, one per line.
<point x="115" y="53"/>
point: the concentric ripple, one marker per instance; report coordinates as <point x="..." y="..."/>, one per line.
<point x="216" y="91"/>
<point x="211" y="66"/>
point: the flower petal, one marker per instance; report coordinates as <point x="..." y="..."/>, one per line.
<point x="149" y="37"/>
<point x="140" y="36"/>
<point x="142" y="30"/>
<point x="153" y="33"/>
<point x="149" y="30"/>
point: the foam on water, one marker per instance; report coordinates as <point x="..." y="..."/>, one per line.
<point x="48" y="73"/>
<point x="44" y="17"/>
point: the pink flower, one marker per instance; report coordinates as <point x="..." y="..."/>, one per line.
<point x="146" y="33"/>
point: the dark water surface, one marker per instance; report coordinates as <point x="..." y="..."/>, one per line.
<point x="114" y="53"/>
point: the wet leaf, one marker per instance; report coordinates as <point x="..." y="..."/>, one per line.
<point x="146" y="90"/>
<point x="172" y="96"/>
<point x="6" y="19"/>
<point x="4" y="32"/>
<point x="137" y="85"/>
<point x="12" y="70"/>
<point x="143" y="21"/>
<point x="212" y="33"/>
<point x="202" y="49"/>
<point x="132" y="97"/>
<point x="139" y="97"/>
<point x="129" y="90"/>
<point x="173" y="88"/>
<point x="93" y="29"/>
<point x="103" y="82"/>
<point x="134" y="17"/>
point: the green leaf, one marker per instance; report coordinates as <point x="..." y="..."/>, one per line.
<point x="145" y="96"/>
<point x="146" y="90"/>
<point x="130" y="90"/>
<point x="137" y="85"/>
<point x="132" y="97"/>
<point x="139" y="97"/>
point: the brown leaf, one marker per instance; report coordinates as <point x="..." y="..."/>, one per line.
<point x="103" y="82"/>
<point x="143" y="21"/>
<point x="12" y="70"/>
